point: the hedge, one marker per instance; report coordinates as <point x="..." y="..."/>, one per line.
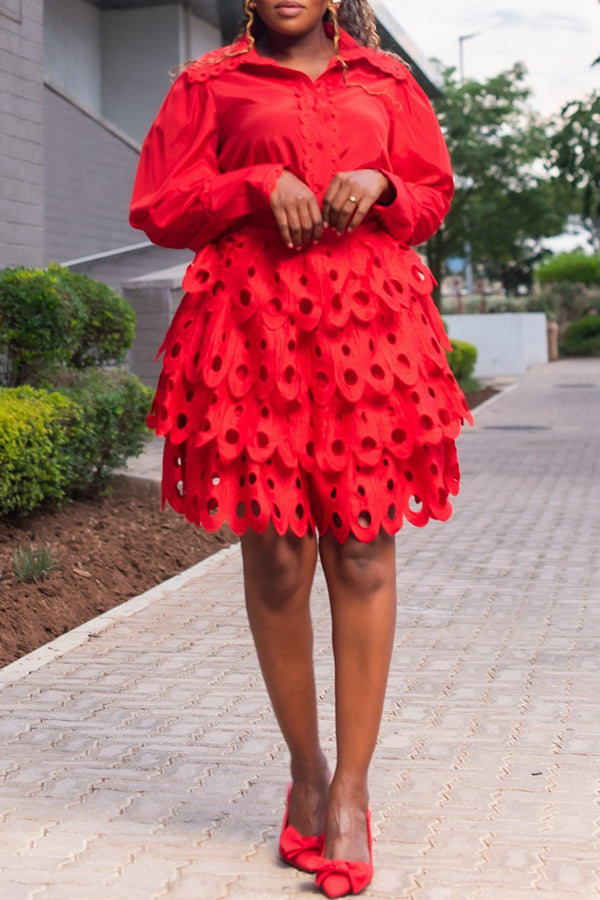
<point x="34" y="435"/>
<point x="111" y="426"/>
<point x="582" y="338"/>
<point x="462" y="359"/>
<point x="34" y="323"/>
<point x="575" y="267"/>
<point x="54" y="318"/>
<point x="67" y="442"/>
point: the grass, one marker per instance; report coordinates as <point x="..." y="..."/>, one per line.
<point x="33" y="564"/>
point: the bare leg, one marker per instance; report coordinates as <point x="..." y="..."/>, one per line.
<point x="278" y="576"/>
<point x="361" y="578"/>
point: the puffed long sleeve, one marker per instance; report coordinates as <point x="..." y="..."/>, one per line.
<point x="421" y="175"/>
<point x="180" y="196"/>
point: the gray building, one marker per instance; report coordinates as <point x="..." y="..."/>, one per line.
<point x="81" y="81"/>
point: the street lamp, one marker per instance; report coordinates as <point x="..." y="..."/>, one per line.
<point x="461" y="52"/>
<point x="469" y="285"/>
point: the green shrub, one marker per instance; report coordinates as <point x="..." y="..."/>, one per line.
<point x="576" y="267"/>
<point x="34" y="436"/>
<point x="582" y="338"/>
<point x="34" y="323"/>
<point x="565" y="301"/>
<point x="107" y="330"/>
<point x="54" y="318"/>
<point x="111" y="425"/>
<point x="462" y="359"/>
<point x="68" y="442"/>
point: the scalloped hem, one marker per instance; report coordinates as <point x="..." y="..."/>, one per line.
<point x="359" y="500"/>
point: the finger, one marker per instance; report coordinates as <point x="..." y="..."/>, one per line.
<point x="295" y="227"/>
<point x="316" y="220"/>
<point x="359" y="214"/>
<point x="306" y="224"/>
<point x="284" y="229"/>
<point x="346" y="212"/>
<point x="330" y="200"/>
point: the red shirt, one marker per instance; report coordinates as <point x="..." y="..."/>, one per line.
<point x="233" y="121"/>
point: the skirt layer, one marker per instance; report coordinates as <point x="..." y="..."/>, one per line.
<point x="308" y="389"/>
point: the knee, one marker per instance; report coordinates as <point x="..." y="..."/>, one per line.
<point x="364" y="568"/>
<point x="279" y="566"/>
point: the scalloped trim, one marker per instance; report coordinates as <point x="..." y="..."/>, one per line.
<point x="231" y="57"/>
<point x="213" y="63"/>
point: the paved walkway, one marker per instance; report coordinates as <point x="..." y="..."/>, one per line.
<point x="140" y="759"/>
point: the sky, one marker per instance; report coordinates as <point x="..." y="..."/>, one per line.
<point x="556" y="39"/>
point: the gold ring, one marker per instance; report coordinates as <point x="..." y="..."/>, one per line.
<point x="352" y="199"/>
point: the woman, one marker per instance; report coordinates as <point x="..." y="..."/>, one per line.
<point x="305" y="395"/>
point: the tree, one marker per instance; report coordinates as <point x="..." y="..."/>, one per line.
<point x="504" y="199"/>
<point x="575" y="158"/>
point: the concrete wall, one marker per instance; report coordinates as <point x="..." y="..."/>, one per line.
<point x="155" y="299"/>
<point x="72" y="51"/>
<point x="89" y="174"/>
<point x="21" y="133"/>
<point x="139" y="47"/>
<point x="507" y="343"/>
<point x="202" y="37"/>
<point x="117" y="270"/>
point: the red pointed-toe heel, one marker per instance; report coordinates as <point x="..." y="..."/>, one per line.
<point x="304" y="852"/>
<point x="340" y="877"/>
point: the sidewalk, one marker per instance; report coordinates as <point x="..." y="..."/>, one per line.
<point x="140" y="759"/>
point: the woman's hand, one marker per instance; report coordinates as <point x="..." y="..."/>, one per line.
<point x="351" y="195"/>
<point x="296" y="211"/>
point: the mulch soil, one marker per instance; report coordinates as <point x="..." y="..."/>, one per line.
<point x="107" y="550"/>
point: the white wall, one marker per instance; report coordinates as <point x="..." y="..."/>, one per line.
<point x="507" y="343"/>
<point x="72" y="54"/>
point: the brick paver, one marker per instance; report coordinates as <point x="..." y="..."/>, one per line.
<point x="144" y="762"/>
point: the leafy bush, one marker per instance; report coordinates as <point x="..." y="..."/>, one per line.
<point x="565" y="301"/>
<point x="582" y="338"/>
<point x="34" y="323"/>
<point x="68" y="442"/>
<point x="462" y="359"/>
<point x="575" y="267"/>
<point x="53" y="318"/>
<point x="110" y="427"/>
<point x="34" y="436"/>
<point x="106" y="332"/>
<point x="70" y="438"/>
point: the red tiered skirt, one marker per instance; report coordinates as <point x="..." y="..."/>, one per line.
<point x="308" y="388"/>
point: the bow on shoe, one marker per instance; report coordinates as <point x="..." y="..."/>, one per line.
<point x="338" y="877"/>
<point x="303" y="852"/>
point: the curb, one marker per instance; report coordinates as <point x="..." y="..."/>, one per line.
<point x="24" y="666"/>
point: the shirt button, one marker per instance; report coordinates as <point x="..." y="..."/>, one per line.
<point x="319" y="145"/>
